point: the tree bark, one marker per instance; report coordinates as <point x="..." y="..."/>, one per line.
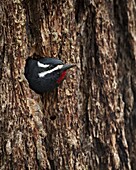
<point x="88" y="122"/>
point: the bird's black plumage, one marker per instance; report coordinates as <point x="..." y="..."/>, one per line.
<point x="44" y="83"/>
<point x="51" y="61"/>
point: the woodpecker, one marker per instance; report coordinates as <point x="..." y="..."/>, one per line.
<point x="45" y="74"/>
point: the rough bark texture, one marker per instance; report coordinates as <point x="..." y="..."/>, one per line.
<point x="89" y="122"/>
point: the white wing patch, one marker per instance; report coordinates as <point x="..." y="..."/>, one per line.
<point x="42" y="65"/>
<point x="42" y="74"/>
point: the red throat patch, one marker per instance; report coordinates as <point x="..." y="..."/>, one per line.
<point x="62" y="76"/>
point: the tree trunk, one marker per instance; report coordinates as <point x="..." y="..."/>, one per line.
<point x="88" y="122"/>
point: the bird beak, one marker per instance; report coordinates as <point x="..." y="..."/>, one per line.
<point x="68" y="66"/>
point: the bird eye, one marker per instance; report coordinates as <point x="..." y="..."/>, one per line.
<point x="50" y="67"/>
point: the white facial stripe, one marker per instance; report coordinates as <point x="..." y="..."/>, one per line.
<point x="42" y="65"/>
<point x="42" y="74"/>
